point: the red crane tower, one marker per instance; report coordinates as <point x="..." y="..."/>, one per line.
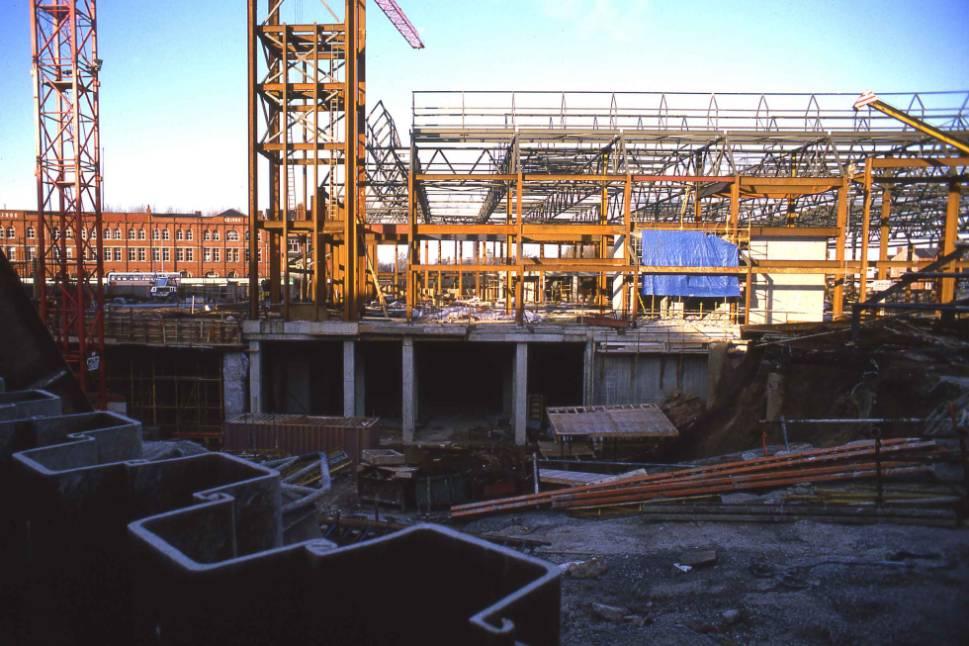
<point x="70" y="267"/>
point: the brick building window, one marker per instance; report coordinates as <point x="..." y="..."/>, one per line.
<point x="131" y="253"/>
<point x="117" y="234"/>
<point x="11" y="253"/>
<point x="131" y="233"/>
<point x="165" y="234"/>
<point x="206" y="235"/>
<point x="179" y="235"/>
<point x="215" y="235"/>
<point x="155" y="234"/>
<point x="11" y="233"/>
<point x="117" y="253"/>
<point x="208" y="255"/>
<point x="31" y="253"/>
<point x="141" y="254"/>
<point x="155" y="254"/>
<point x="215" y="255"/>
<point x="166" y="255"/>
<point x="141" y="234"/>
<point x="190" y="254"/>
<point x="179" y="254"/>
<point x="31" y="234"/>
<point x="188" y="234"/>
<point x="83" y="234"/>
<point x="232" y="235"/>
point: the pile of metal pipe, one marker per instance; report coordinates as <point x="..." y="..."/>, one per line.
<point x="856" y="460"/>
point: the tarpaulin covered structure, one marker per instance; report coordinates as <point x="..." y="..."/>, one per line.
<point x="688" y="249"/>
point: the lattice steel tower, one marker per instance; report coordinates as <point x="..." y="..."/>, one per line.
<point x="70" y="267"/>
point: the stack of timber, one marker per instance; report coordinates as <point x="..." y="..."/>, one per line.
<point x="168" y="328"/>
<point x="862" y="460"/>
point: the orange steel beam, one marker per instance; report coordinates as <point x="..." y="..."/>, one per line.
<point x="922" y="162"/>
<point x="870" y="100"/>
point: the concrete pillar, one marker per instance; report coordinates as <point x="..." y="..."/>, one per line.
<point x="255" y="377"/>
<point x="235" y="366"/>
<point x="349" y="378"/>
<point x="520" y="396"/>
<point x="359" y="407"/>
<point x="588" y="373"/>
<point x="409" y="391"/>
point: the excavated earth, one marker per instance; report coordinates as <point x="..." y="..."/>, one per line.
<point x="790" y="583"/>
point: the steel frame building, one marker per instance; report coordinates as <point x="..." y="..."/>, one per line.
<point x="65" y="70"/>
<point x="543" y="185"/>
<point x="536" y="168"/>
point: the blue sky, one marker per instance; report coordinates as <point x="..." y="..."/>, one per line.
<point x="173" y="97"/>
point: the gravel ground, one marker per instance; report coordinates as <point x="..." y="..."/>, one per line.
<point x="791" y="583"/>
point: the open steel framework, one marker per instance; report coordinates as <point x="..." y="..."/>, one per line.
<point x="70" y="293"/>
<point x="306" y="117"/>
<point x="543" y="184"/>
<point x="500" y="194"/>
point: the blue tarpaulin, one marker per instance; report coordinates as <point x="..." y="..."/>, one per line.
<point x="688" y="249"/>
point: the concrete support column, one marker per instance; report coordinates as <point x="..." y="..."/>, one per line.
<point x="588" y="373"/>
<point x="349" y="378"/>
<point x="255" y="377"/>
<point x="409" y="391"/>
<point x="520" y="393"/>
<point x="235" y="366"/>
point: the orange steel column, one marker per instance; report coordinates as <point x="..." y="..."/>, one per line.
<point x="865" y="230"/>
<point x="602" y="297"/>
<point x="253" y="126"/>
<point x="837" y="298"/>
<point x="519" y="246"/>
<point x="949" y="235"/>
<point x="884" y="232"/>
<point x="506" y="259"/>
<point x="354" y="150"/>
<point x="627" y="195"/>
<point x="412" y="248"/>
<point x="284" y="252"/>
<point x="735" y="208"/>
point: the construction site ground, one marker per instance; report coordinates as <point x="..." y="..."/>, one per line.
<point x="802" y="582"/>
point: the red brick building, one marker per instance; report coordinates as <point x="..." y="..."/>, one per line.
<point x="190" y="243"/>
